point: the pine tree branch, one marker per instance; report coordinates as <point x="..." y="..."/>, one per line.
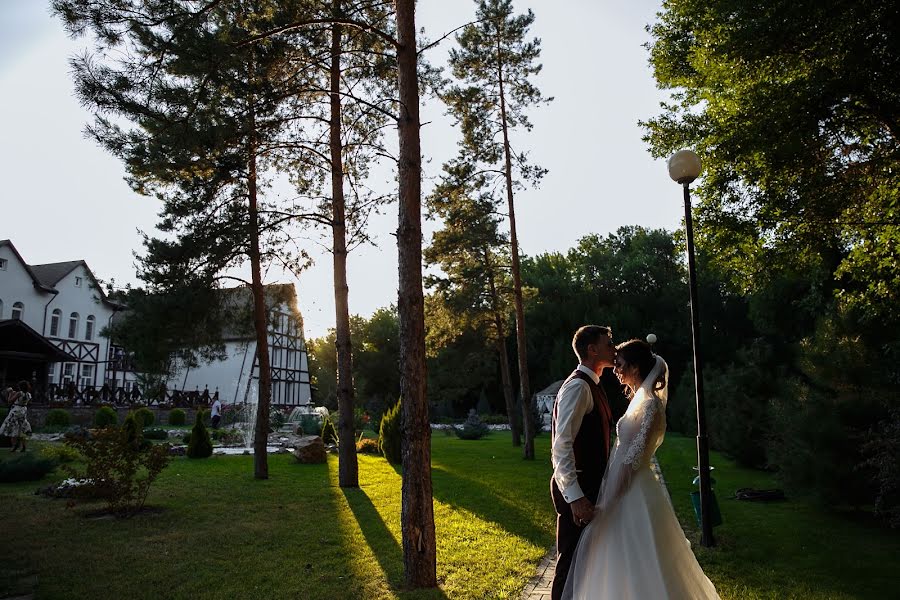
<point x="446" y="35"/>
<point x="300" y="24"/>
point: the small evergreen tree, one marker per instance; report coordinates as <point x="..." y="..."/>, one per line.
<point x="200" y="444"/>
<point x="329" y="433"/>
<point x="389" y="435"/>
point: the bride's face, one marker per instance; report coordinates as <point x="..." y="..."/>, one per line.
<point x="627" y="374"/>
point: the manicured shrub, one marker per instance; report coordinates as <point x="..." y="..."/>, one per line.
<point x="177" y="417"/>
<point x="367" y="446"/>
<point x="199" y="446"/>
<point x="25" y="467"/>
<point x="156" y="434"/>
<point x="389" y="435"/>
<point x="329" y="433"/>
<point x="58" y="417"/>
<point x="60" y="453"/>
<point x="146" y="416"/>
<point x="119" y="469"/>
<point x="472" y="429"/>
<point x="134" y="433"/>
<point x="186" y="438"/>
<point x="106" y="416"/>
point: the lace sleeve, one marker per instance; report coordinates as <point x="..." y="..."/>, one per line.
<point x="638" y="446"/>
<point x="622" y="468"/>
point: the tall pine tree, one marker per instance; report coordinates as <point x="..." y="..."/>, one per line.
<point x="494" y="65"/>
<point x="473" y="256"/>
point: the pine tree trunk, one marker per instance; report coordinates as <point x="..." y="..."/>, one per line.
<point x="348" y="469"/>
<point x="501" y="354"/>
<point x="524" y="385"/>
<point x="417" y="512"/>
<point x="261" y="435"/>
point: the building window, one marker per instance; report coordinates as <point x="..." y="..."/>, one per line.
<point x="87" y="375"/>
<point x="68" y="373"/>
<point x="51" y="372"/>
<point x="18" y="311"/>
<point x="78" y="282"/>
<point x="73" y="325"/>
<point x="3" y="263"/>
<point x="89" y="328"/>
<point x="55" y="318"/>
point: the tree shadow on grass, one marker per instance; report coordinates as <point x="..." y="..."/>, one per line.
<point x="457" y="490"/>
<point x="381" y="541"/>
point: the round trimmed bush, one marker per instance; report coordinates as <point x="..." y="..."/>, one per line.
<point x="177" y="417"/>
<point x="106" y="416"/>
<point x="145" y="416"/>
<point x="58" y="417"/>
<point x="389" y="435"/>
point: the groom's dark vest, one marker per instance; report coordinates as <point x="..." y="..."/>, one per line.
<point x="591" y="444"/>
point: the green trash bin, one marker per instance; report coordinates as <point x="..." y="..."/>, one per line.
<point x="714" y="513"/>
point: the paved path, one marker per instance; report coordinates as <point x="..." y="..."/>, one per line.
<point x="538" y="587"/>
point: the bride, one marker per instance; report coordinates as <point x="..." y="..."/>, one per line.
<point x="634" y="548"/>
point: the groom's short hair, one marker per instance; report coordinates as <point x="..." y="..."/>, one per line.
<point x="587" y="335"/>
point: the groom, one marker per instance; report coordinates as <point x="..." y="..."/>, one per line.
<point x="579" y="444"/>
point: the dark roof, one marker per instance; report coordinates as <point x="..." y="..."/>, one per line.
<point x="19" y="341"/>
<point x="45" y="277"/>
<point x="31" y="273"/>
<point x="50" y="274"/>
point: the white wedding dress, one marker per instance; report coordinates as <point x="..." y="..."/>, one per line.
<point x="635" y="549"/>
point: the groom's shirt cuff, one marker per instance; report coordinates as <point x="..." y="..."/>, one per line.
<point x="573" y="403"/>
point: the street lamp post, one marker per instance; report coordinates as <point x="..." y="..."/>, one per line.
<point x="684" y="167"/>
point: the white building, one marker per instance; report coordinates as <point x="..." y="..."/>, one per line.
<point x="237" y="377"/>
<point x="64" y="303"/>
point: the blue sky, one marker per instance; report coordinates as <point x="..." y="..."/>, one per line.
<point x="64" y="198"/>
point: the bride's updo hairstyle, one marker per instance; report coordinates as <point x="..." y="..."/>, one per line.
<point x="638" y="352"/>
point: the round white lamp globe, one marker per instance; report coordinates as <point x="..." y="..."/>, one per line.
<point x="651" y="339"/>
<point x="684" y="166"/>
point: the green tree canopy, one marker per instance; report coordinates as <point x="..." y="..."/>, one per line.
<point x="795" y="109"/>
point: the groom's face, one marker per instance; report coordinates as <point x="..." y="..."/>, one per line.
<point x="605" y="352"/>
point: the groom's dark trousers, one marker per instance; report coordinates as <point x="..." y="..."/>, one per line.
<point x="591" y="448"/>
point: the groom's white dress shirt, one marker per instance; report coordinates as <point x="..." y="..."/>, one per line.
<point x="574" y="401"/>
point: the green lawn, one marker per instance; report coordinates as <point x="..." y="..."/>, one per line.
<point x="222" y="534"/>
<point x="781" y="550"/>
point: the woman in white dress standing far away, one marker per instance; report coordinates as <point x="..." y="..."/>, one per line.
<point x="634" y="548"/>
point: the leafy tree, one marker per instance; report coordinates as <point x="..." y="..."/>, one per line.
<point x="795" y="109"/>
<point x="495" y="63"/>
